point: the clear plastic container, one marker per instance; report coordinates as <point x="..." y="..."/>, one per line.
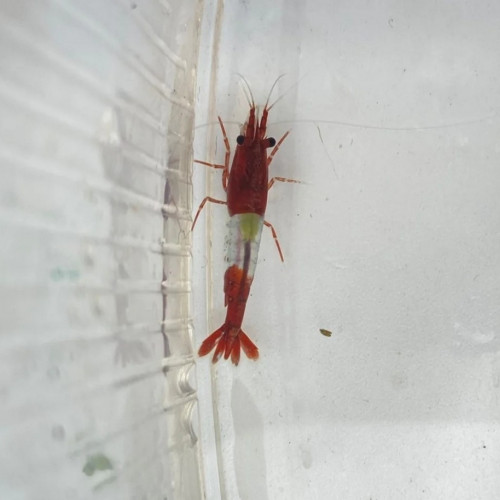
<point x="391" y="244"/>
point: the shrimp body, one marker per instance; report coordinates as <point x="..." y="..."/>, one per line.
<point x="246" y="185"/>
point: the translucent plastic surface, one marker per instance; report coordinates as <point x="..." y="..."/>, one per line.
<point x="96" y="124"/>
<point x="392" y="245"/>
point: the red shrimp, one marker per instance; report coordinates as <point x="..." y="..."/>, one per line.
<point x="246" y="185"/>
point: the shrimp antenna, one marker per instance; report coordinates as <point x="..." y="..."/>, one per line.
<point x="286" y="91"/>
<point x="271" y="91"/>
<point x="246" y="90"/>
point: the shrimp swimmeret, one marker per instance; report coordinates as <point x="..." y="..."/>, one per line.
<point x="246" y="185"/>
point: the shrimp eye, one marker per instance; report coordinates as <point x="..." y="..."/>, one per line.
<point x="271" y="141"/>
<point x="240" y="139"/>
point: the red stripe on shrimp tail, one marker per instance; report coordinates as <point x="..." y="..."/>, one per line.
<point x="227" y="343"/>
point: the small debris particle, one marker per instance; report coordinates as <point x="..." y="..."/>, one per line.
<point x="97" y="462"/>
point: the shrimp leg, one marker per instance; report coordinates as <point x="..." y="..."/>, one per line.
<point x="225" y="166"/>
<point x="270" y="185"/>
<point x="281" y="179"/>
<point x="275" y="236"/>
<point x="213" y="165"/>
<point x="203" y="203"/>
<point x="275" y="149"/>
<point x="270" y="158"/>
<point x="225" y="172"/>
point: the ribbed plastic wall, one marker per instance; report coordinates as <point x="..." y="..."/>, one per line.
<point x="96" y="121"/>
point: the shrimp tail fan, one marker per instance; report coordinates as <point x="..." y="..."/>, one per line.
<point x="228" y="345"/>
